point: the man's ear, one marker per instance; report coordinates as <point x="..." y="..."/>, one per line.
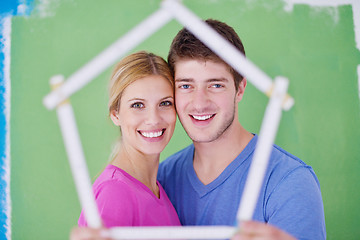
<point x="115" y="117"/>
<point x="241" y="90"/>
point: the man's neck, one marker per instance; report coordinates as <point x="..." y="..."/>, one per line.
<point x="211" y="159"/>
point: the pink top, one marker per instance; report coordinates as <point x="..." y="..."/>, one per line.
<point x="124" y="201"/>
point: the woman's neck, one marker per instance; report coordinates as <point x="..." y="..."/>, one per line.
<point x="141" y="166"/>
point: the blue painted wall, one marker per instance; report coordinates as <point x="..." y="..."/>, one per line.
<point x="8" y="8"/>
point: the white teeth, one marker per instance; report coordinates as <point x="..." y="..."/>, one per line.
<point x="202" y="118"/>
<point x="152" y="134"/>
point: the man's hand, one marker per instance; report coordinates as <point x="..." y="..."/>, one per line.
<point x="260" y="231"/>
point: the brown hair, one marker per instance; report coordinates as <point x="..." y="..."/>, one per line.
<point x="186" y="46"/>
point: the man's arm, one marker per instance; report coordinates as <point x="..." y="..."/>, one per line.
<point x="295" y="205"/>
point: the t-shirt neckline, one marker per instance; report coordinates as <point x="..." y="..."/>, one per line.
<point x="202" y="189"/>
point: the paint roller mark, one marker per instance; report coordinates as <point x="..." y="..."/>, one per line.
<point x="46" y="8"/>
<point x="355" y="4"/>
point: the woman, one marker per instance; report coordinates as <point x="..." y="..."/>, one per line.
<point x="141" y="103"/>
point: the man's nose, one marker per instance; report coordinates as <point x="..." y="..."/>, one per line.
<point x="200" y="98"/>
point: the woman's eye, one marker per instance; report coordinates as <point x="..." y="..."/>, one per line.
<point x="137" y="105"/>
<point x="166" y="103"/>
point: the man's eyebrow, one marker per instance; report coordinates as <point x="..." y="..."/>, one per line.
<point x="208" y="80"/>
<point x="184" y="80"/>
<point x="218" y="80"/>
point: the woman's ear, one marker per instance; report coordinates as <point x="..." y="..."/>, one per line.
<point x="115" y="117"/>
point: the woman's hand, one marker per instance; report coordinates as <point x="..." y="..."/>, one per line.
<point x="86" y="233"/>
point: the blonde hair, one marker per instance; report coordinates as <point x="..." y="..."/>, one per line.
<point x="131" y="68"/>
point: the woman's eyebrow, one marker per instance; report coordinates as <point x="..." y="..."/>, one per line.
<point x="136" y="99"/>
<point x="168" y="97"/>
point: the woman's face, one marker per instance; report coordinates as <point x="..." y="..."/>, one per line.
<point x="147" y="114"/>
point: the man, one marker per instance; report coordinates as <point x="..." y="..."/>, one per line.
<point x="205" y="180"/>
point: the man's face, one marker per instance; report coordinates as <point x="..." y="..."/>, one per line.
<point x="205" y="98"/>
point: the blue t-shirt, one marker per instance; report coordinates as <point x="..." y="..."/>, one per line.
<point x="290" y="197"/>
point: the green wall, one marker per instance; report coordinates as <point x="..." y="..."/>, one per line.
<point x="311" y="47"/>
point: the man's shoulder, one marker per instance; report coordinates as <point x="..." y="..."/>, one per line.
<point x="282" y="156"/>
<point x="283" y="164"/>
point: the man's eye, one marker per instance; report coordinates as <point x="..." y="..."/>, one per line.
<point x="166" y="103"/>
<point x="184" y="86"/>
<point x="217" y="86"/>
<point x="137" y="105"/>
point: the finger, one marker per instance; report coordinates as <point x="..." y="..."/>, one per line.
<point x="240" y="236"/>
<point x="83" y="233"/>
<point x="252" y="227"/>
<point x="257" y="230"/>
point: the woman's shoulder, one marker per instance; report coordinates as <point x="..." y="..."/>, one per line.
<point x="112" y="179"/>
